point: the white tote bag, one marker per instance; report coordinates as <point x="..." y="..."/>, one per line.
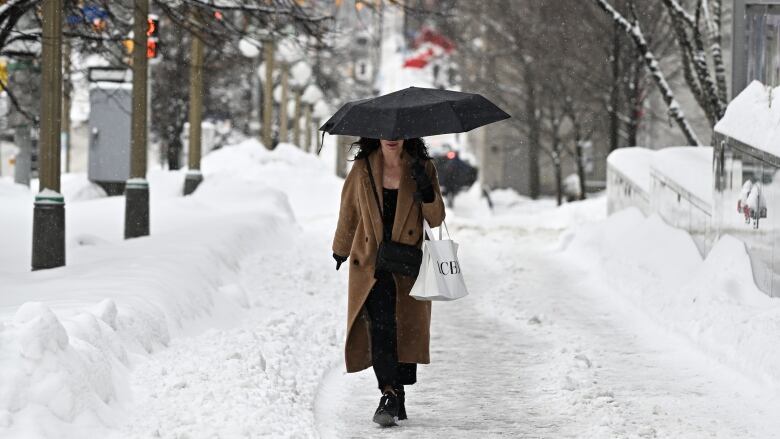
<point x="440" y="275"/>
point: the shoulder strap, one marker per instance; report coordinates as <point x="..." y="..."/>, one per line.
<point x="373" y="187"/>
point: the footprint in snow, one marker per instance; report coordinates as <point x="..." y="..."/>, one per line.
<point x="582" y="359"/>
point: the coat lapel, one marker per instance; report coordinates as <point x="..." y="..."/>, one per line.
<point x="405" y="197"/>
<point x="377" y="169"/>
<point x="405" y="201"/>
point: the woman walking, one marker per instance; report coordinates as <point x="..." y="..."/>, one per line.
<point x="392" y="186"/>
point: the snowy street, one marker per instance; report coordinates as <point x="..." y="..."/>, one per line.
<point x="533" y="352"/>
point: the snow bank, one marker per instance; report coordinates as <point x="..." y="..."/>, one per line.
<point x="753" y="117"/>
<point x="712" y="301"/>
<point x="688" y="167"/>
<point x="69" y="335"/>
<point x="634" y="164"/>
<point x="76" y="187"/>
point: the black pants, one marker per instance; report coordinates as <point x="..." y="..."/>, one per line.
<point x="380" y="306"/>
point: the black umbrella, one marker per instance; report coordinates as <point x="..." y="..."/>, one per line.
<point x="413" y="112"/>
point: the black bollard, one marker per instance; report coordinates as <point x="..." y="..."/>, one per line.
<point x="48" y="231"/>
<point x="192" y="181"/>
<point x="136" y="208"/>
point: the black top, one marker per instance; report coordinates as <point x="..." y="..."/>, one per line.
<point x="390" y="200"/>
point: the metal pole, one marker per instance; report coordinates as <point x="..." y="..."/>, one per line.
<point x="254" y="115"/>
<point x="49" y="212"/>
<point x="268" y="99"/>
<point x="137" y="188"/>
<point x="283" y="119"/>
<point x="194" y="176"/>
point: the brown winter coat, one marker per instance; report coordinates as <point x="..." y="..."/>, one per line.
<point x="358" y="235"/>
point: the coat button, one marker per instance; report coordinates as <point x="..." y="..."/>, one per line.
<point x="411" y="232"/>
<point x="366" y="238"/>
<point x="355" y="261"/>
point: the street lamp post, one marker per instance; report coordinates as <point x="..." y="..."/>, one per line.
<point x="194" y="176"/>
<point x="137" y="187"/>
<point x="297" y="119"/>
<point x="268" y="99"/>
<point x="283" y="118"/>
<point x="49" y="212"/>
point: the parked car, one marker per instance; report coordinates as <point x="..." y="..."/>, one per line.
<point x="455" y="175"/>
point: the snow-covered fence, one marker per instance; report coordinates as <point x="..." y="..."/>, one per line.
<point x="730" y="189"/>
<point x="628" y="179"/>
<point x="674" y="183"/>
<point x="681" y="191"/>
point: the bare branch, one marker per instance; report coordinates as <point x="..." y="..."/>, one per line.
<point x="635" y="32"/>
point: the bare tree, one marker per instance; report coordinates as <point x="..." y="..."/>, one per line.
<point x="704" y="70"/>
<point x="634" y="30"/>
<point x="104" y="25"/>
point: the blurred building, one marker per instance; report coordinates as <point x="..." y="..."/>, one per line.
<point x="756" y="43"/>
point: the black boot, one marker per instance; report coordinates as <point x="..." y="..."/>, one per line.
<point x="387" y="412"/>
<point x="401" y="403"/>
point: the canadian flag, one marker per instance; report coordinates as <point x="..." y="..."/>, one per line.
<point x="428" y="45"/>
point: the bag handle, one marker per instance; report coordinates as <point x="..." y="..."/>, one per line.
<point x="429" y="230"/>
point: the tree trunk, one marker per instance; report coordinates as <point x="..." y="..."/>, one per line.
<point x="717" y="52"/>
<point x="174" y="154"/>
<point x="636" y="101"/>
<point x="558" y="178"/>
<point x="581" y="170"/>
<point x="535" y="133"/>
<point x="614" y="99"/>
<point x="675" y="112"/>
<point x="555" y="123"/>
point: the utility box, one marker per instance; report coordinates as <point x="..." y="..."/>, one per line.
<point x="110" y="101"/>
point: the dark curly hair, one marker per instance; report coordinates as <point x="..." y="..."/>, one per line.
<point x="415" y="147"/>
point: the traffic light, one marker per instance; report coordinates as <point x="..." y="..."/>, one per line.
<point x="152" y="36"/>
<point x="3" y="73"/>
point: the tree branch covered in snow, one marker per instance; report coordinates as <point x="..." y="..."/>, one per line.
<point x="677" y="9"/>
<point x="717" y="51"/>
<point x="651" y="63"/>
<point x="708" y="87"/>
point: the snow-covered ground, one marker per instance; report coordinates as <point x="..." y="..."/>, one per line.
<point x="229" y="322"/>
<point x="69" y="336"/>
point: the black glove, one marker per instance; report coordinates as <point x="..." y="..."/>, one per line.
<point x="424" y="191"/>
<point x="339" y="260"/>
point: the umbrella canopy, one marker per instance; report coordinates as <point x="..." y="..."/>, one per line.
<point x="414" y="112"/>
